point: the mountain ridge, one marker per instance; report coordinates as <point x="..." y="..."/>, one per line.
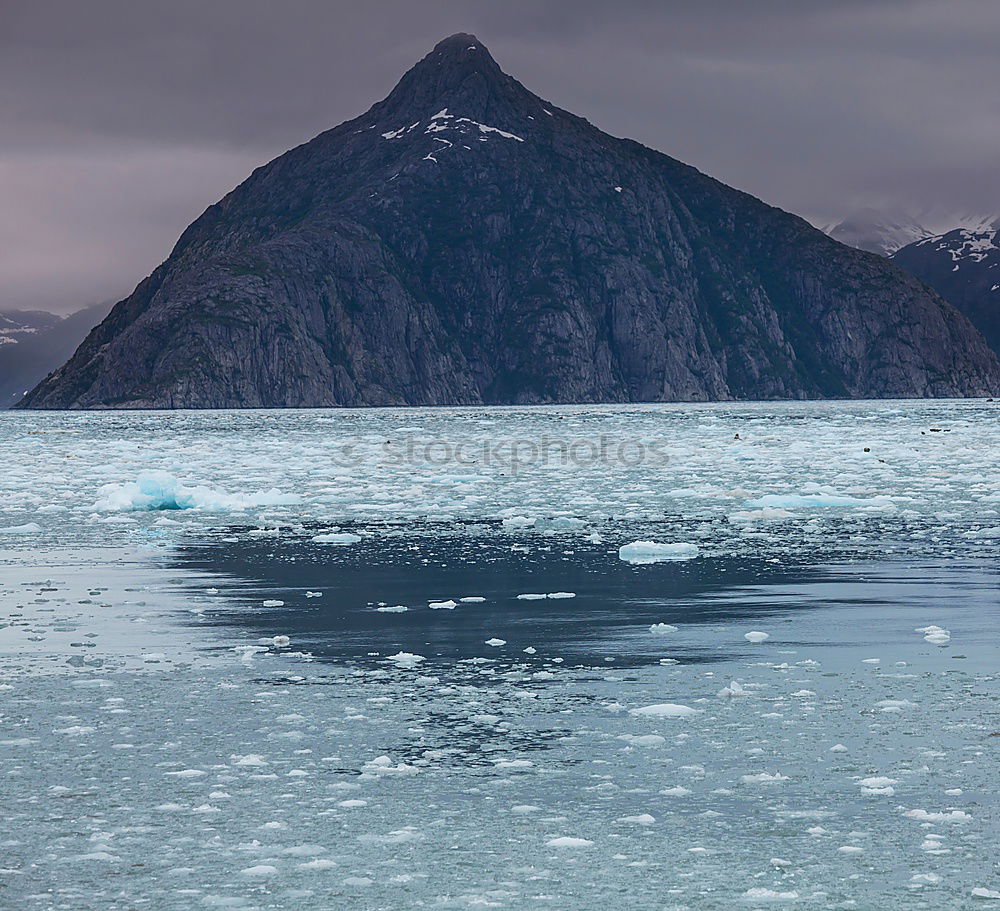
<point x="466" y="242"/>
<point x="963" y="266"/>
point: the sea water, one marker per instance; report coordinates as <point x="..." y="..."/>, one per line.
<point x="698" y="656"/>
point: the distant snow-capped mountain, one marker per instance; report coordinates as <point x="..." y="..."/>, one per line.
<point x="17" y="325"/>
<point x="33" y="343"/>
<point x="878" y="232"/>
<point x="963" y="266"/>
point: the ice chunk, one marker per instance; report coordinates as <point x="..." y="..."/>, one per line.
<point x="640" y="553"/>
<point x="567" y="841"/>
<point x="519" y="522"/>
<point x="820" y="499"/>
<point x="676" y="791"/>
<point x="340" y="539"/>
<point x="660" y="629"/>
<point x="935" y="635"/>
<point x="734" y="689"/>
<point x="762" y="777"/>
<point x="406" y="660"/>
<point x="760" y="894"/>
<point x="943" y="816"/>
<point x="756" y="637"/>
<point x="665" y="710"/>
<point x="646" y="740"/>
<point x="155" y="490"/>
<point x="29" y="528"/>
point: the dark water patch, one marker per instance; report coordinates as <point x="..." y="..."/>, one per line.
<point x="606" y="623"/>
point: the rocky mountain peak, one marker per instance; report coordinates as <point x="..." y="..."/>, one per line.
<point x="459" y="74"/>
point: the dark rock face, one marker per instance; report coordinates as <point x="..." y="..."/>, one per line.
<point x="963" y="266"/>
<point x="466" y="242"/>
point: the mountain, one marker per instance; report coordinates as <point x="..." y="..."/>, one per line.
<point x="17" y="325"/>
<point x="34" y="343"/>
<point x="466" y="242"/>
<point x="878" y="232"/>
<point x="963" y="266"/>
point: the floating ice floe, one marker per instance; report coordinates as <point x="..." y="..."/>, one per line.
<point x="759" y="894"/>
<point x="567" y="841"/>
<point x="406" y="660"/>
<point x="641" y="819"/>
<point x="273" y="602"/>
<point x="382" y="765"/>
<point x="496" y="643"/>
<point x="822" y="498"/>
<point x="756" y="637"/>
<point x="530" y="596"/>
<point x="644" y="740"/>
<point x="518" y="522"/>
<point x="660" y="629"/>
<point x="641" y="553"/>
<point x="341" y="538"/>
<point x="734" y="689"/>
<point x="29" y="528"/>
<point x="260" y="870"/>
<point x="320" y="863"/>
<point x="878" y="785"/>
<point x="664" y="710"/>
<point x="935" y="635"/>
<point x="442" y="605"/>
<point x="941" y="816"/>
<point x="155" y="490"/>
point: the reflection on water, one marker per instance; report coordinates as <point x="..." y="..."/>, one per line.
<point x="608" y="617"/>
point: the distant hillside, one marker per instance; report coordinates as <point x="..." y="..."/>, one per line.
<point x="963" y="266"/>
<point x="16" y="325"/>
<point x="33" y="343"/>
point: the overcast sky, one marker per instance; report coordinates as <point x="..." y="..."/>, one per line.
<point x="121" y="120"/>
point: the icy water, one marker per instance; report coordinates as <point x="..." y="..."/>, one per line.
<point x="395" y="659"/>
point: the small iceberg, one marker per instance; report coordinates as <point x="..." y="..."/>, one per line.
<point x="664" y="710"/>
<point x="640" y="553"/>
